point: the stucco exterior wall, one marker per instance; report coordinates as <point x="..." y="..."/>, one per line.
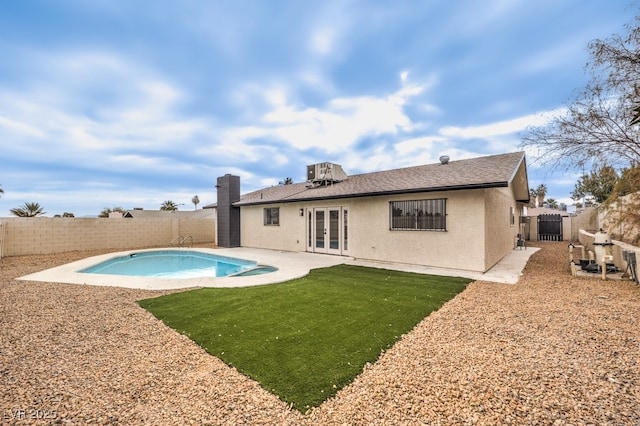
<point x="462" y="246"/>
<point x="459" y="247"/>
<point x="38" y="235"/>
<point x="500" y="233"/>
<point x="288" y="236"/>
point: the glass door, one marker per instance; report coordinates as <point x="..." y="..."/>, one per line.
<point x="327" y="230"/>
<point x="320" y="231"/>
<point x="333" y="243"/>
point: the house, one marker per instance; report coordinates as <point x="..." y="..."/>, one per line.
<point x="454" y="214"/>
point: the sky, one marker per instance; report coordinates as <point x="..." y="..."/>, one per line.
<point x="129" y="103"/>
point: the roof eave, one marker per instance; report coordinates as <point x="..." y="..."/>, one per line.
<point x="521" y="186"/>
<point x="501" y="184"/>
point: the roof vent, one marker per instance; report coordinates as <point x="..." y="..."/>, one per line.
<point x="444" y="159"/>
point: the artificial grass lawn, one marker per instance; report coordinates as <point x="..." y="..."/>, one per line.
<point x="305" y="339"/>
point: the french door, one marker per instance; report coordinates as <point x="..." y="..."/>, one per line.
<point x="327" y="230"/>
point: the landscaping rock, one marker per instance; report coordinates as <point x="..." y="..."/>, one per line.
<point x="553" y="349"/>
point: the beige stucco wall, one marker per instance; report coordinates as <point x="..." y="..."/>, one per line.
<point x="289" y="235"/>
<point x="500" y="233"/>
<point x="24" y="236"/>
<point x="462" y="246"/>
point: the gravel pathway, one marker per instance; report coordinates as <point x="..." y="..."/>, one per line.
<point x="552" y="349"/>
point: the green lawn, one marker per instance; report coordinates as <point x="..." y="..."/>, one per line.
<point x="305" y="339"/>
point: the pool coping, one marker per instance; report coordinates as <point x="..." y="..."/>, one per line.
<point x="290" y="265"/>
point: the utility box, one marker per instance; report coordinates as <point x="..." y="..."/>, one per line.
<point x="325" y="172"/>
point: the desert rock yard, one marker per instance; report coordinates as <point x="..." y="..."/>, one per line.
<point x="552" y="349"/>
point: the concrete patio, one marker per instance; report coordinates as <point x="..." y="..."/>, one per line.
<point x="290" y="265"/>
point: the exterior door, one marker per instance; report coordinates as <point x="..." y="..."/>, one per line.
<point x="327" y="229"/>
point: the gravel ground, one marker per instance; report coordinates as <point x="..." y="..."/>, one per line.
<point x="552" y="349"/>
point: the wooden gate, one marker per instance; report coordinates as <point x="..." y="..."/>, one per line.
<point x="549" y="227"/>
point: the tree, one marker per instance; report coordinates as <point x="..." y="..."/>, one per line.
<point x="552" y="203"/>
<point x="286" y="181"/>
<point x="601" y="124"/>
<point x="1" y="190"/>
<point x="626" y="216"/>
<point x="533" y="197"/>
<point x="541" y="192"/>
<point x="105" y="211"/>
<point x="599" y="184"/>
<point x="629" y="182"/>
<point x="195" y="200"/>
<point x="169" y="206"/>
<point x="28" y="210"/>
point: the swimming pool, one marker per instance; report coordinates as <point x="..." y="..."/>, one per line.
<point x="290" y="266"/>
<point x="177" y="264"/>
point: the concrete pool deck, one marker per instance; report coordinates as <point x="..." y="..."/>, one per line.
<point x="290" y="265"/>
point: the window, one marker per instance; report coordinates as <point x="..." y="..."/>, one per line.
<point x="423" y="215"/>
<point x="272" y="216"/>
<point x="512" y="215"/>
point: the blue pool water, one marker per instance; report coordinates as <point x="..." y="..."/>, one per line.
<point x="175" y="264"/>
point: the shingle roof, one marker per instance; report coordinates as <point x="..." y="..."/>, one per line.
<point x="482" y="172"/>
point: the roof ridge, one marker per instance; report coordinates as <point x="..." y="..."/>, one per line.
<point x="437" y="163"/>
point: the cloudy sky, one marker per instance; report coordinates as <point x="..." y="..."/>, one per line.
<point x="130" y="103"/>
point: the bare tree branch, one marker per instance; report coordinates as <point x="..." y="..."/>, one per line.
<point x="598" y="126"/>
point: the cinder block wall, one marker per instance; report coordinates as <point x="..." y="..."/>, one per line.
<point x="24" y="236"/>
<point x="202" y="230"/>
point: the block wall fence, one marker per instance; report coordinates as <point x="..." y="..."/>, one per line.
<point x="571" y="225"/>
<point x="37" y="235"/>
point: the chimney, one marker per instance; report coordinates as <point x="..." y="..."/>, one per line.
<point x="228" y="216"/>
<point x="444" y="159"/>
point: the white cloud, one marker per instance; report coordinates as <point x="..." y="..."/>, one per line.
<point x="415" y="146"/>
<point x="428" y="149"/>
<point x="343" y="121"/>
<point x="500" y="128"/>
<point x="322" y="40"/>
<point x="14" y="126"/>
<point x="85" y="111"/>
<point x="276" y="96"/>
<point x="329" y="29"/>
